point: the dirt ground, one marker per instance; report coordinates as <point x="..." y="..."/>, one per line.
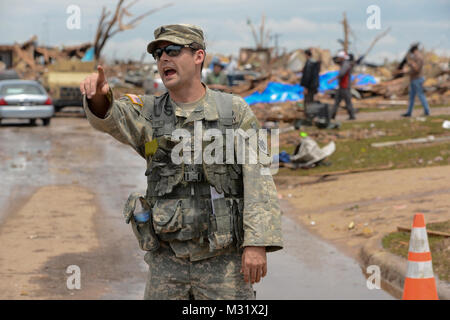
<point x="62" y="198"/>
<point x="349" y="209"/>
<point x="54" y="221"/>
<point x="61" y="205"/>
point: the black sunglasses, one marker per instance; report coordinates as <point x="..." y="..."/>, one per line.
<point x="172" y="50"/>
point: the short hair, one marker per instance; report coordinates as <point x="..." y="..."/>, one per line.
<point x="308" y="52"/>
<point x="196" y="46"/>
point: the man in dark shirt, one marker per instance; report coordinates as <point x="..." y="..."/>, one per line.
<point x="310" y="78"/>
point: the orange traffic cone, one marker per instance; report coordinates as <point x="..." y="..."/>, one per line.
<point x="419" y="283"/>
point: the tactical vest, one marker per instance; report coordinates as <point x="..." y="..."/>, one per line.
<point x="179" y="195"/>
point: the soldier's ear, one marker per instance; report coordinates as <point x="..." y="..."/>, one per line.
<point x="199" y="56"/>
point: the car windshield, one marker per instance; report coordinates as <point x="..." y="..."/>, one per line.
<point x="20" y="88"/>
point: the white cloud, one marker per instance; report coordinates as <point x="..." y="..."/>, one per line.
<point x="128" y="49"/>
<point x="380" y="56"/>
<point x="299" y="25"/>
<point x="387" y="40"/>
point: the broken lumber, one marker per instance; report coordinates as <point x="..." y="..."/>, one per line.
<point x="410" y="141"/>
<point x="430" y="232"/>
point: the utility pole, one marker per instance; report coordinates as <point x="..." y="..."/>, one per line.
<point x="275" y="37"/>
<point x="255" y="37"/>
<point x="345" y="24"/>
<point x="261" y="30"/>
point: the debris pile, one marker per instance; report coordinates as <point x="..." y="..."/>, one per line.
<point x="30" y="60"/>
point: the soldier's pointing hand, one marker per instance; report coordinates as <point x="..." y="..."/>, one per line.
<point x="95" y="85"/>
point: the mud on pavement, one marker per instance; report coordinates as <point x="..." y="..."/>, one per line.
<point x="60" y="208"/>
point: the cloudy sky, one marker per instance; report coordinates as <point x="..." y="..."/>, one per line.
<point x="299" y="24"/>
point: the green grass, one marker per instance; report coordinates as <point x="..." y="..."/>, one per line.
<point x="398" y="243"/>
<point x="399" y="107"/>
<point x="354" y="150"/>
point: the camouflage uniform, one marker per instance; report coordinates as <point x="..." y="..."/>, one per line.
<point x="193" y="251"/>
<point x="212" y="78"/>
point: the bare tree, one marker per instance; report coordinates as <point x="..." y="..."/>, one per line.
<point x="264" y="36"/>
<point x="108" y="28"/>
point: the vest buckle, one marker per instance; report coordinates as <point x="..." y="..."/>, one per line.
<point x="192" y="176"/>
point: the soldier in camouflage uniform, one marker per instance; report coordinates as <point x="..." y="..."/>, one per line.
<point x="209" y="224"/>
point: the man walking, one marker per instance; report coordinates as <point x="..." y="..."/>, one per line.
<point x="344" y="80"/>
<point x="210" y="224"/>
<point x="415" y="62"/>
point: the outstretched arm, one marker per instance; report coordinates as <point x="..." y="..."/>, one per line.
<point x="96" y="88"/>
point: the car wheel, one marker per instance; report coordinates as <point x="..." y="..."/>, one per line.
<point x="32" y="122"/>
<point x="46" y="121"/>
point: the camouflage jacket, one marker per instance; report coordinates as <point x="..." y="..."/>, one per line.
<point x="126" y="122"/>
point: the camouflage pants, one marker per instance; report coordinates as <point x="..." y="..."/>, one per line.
<point x="217" y="278"/>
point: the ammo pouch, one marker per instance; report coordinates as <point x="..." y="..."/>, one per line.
<point x="190" y="218"/>
<point x="225" y="224"/>
<point x="143" y="230"/>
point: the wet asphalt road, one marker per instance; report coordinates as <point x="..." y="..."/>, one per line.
<point x="69" y="151"/>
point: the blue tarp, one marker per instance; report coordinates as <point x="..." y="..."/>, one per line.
<point x="279" y="92"/>
<point x="89" y="55"/>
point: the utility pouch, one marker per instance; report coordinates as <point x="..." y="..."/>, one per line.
<point x="167" y="217"/>
<point x="141" y="222"/>
<point x="180" y="219"/>
<point x="221" y="227"/>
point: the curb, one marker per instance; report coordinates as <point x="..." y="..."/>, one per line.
<point x="393" y="268"/>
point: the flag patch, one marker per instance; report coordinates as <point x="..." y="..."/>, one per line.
<point x="135" y="99"/>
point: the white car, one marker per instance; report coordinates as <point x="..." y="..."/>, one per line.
<point x="25" y="99"/>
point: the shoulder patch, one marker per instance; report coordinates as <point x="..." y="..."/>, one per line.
<point x="135" y="99"/>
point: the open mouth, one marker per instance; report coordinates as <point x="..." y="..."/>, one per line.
<point x="169" y="72"/>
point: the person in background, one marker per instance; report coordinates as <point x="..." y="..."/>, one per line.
<point x="344" y="80"/>
<point x="230" y="70"/>
<point x="310" y="78"/>
<point x="217" y="79"/>
<point x="414" y="60"/>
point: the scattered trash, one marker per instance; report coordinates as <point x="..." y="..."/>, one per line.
<point x="313" y="223"/>
<point x="351" y="225"/>
<point x="446" y="124"/>
<point x="367" y="232"/>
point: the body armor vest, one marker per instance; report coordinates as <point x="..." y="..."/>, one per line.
<point x="183" y="203"/>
